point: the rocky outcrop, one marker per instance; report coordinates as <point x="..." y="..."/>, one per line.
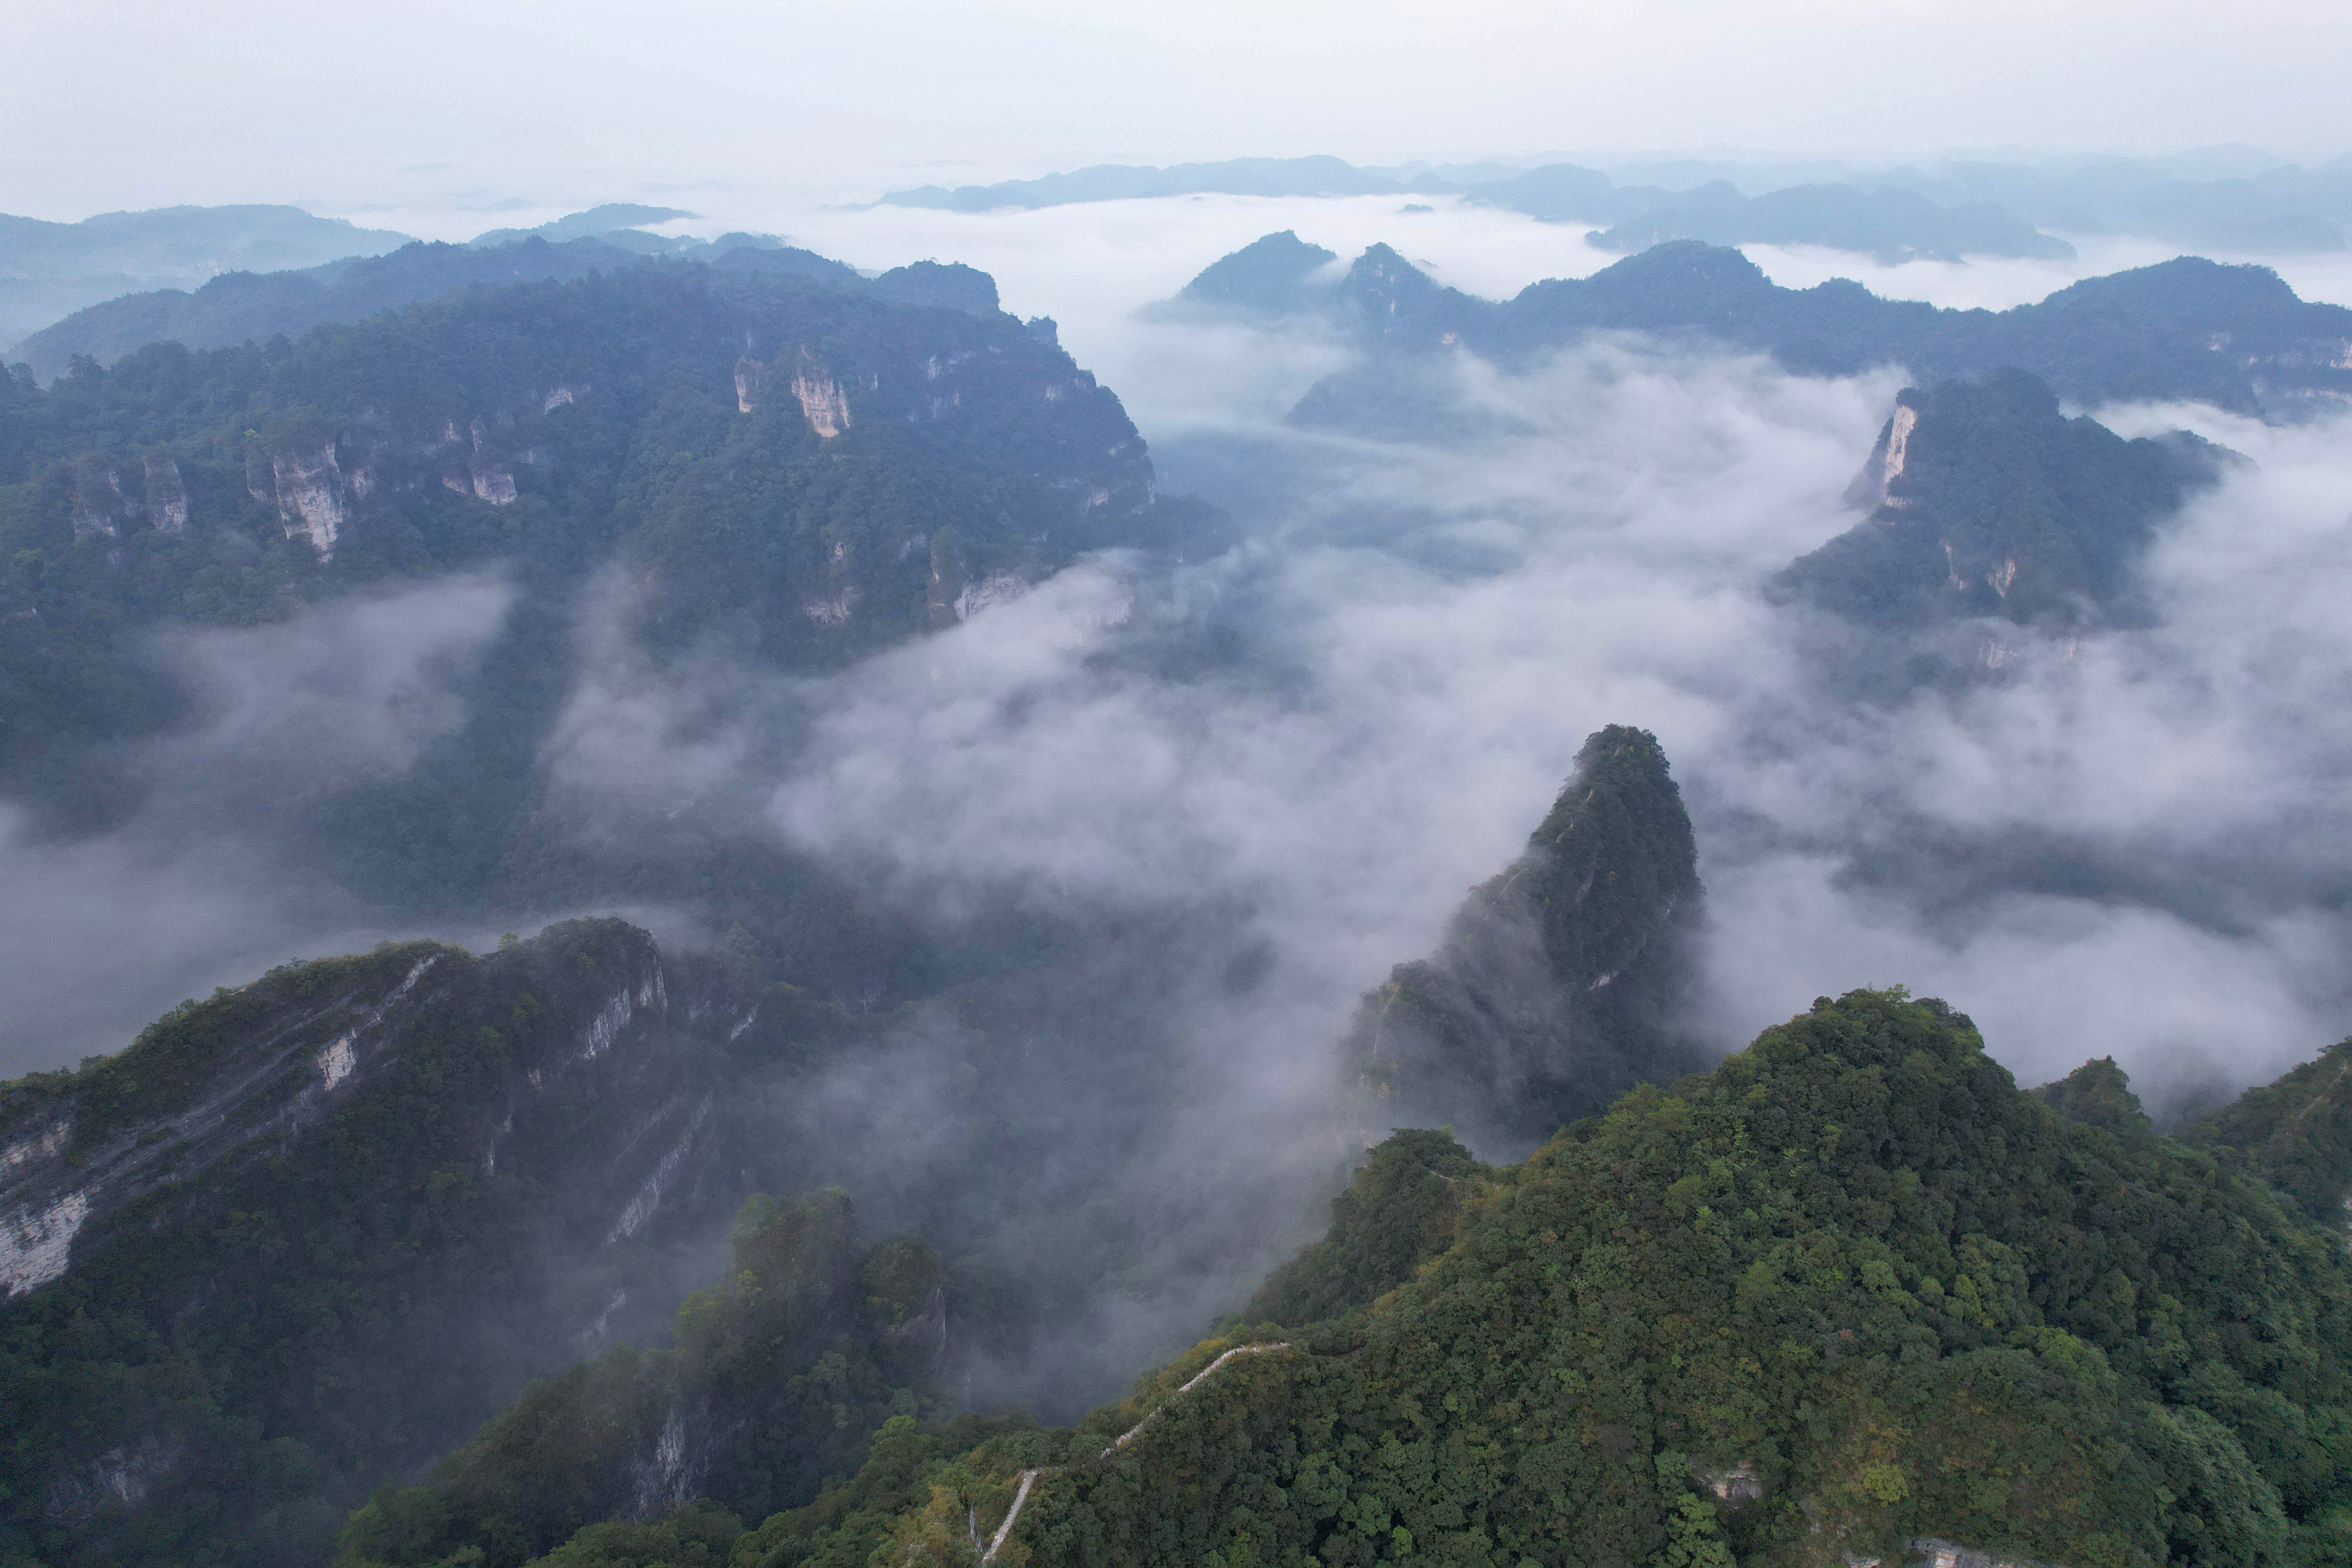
<point x="78" y="1158"/>
<point x="822" y="403"/>
<point x="305" y="482"/>
<point x="1987" y="501"/>
<point x="100" y="509"/>
<point x="167" y="494"/>
<point x="1557" y="983"/>
<point x="750" y="384"/>
<point x="418" y="1084"/>
<point x="1869" y="489"/>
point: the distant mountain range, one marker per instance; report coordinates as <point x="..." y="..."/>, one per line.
<point x="213" y="275"/>
<point x="2234" y="336"/>
<point x="2246" y="202"/>
<point x="48" y="270"/>
<point x="1850" y="1291"/>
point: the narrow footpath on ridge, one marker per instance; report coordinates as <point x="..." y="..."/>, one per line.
<point x="1031" y="1477"/>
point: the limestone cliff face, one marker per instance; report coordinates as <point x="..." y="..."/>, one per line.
<point x="1558" y="982"/>
<point x="100" y="509"/>
<point x="822" y="403"/>
<point x="1985" y="501"/>
<point x="310" y="493"/>
<point x="540" y="1127"/>
<point x="167" y="494"/>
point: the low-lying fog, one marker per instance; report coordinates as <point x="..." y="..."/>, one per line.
<point x="1448" y="625"/>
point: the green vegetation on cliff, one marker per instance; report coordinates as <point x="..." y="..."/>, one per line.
<point x="1850" y="1289"/>
<point x="320" y="1226"/>
<point x="778" y="1373"/>
<point x="1987" y="500"/>
<point x="1557" y="982"/>
<point x="2296" y="1134"/>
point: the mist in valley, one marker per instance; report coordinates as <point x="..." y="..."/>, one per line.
<point x="1168" y="819"/>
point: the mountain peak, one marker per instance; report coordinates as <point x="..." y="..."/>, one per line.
<point x="1987" y="500"/>
<point x="1554" y="987"/>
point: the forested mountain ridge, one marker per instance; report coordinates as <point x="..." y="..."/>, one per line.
<point x="2296" y="1134"/>
<point x="1556" y="985"/>
<point x="779" y="1375"/>
<point x="311" y="1232"/>
<point x="807" y="472"/>
<point x="1984" y="500"/>
<point x="2234" y="336"/>
<point x="250" y="307"/>
<point x="1852" y="1291"/>
<point x="49" y="269"/>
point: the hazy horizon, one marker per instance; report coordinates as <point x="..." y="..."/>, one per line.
<point x="424" y="108"/>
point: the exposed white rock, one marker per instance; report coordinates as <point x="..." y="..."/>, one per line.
<point x="1951" y="1555"/>
<point x="1001" y="588"/>
<point x="43" y="1145"/>
<point x="2002" y="575"/>
<point x="662" y="1479"/>
<point x="648" y="1196"/>
<point x="557" y="399"/>
<point x="120" y="1478"/>
<point x="310" y="495"/>
<point x="167" y="494"/>
<point x="594" y="1334"/>
<point x="493" y="482"/>
<point x="1898" y="440"/>
<point x="97" y="501"/>
<point x="1868" y="491"/>
<point x="750" y="377"/>
<point x="608" y="1025"/>
<point x="833" y="611"/>
<point x="336" y="1062"/>
<point x="822" y="403"/>
<point x="36" y="1247"/>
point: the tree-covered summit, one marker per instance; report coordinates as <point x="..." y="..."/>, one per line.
<point x="1986" y="500"/>
<point x="1851" y="1290"/>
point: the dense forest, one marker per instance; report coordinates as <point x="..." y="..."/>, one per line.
<point x="1852" y="1286"/>
<point x="803" y="472"/>
<point x="432" y="1174"/>
<point x="1986" y="501"/>
<point x="1850" y="1291"/>
<point x="389" y="1257"/>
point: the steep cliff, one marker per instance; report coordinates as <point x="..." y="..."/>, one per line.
<point x="1556" y="986"/>
<point x="777" y="462"/>
<point x="311" y="1232"/>
<point x="778" y="1376"/>
<point x="1984" y="500"/>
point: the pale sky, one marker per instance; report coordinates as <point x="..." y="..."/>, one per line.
<point x="418" y="103"/>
